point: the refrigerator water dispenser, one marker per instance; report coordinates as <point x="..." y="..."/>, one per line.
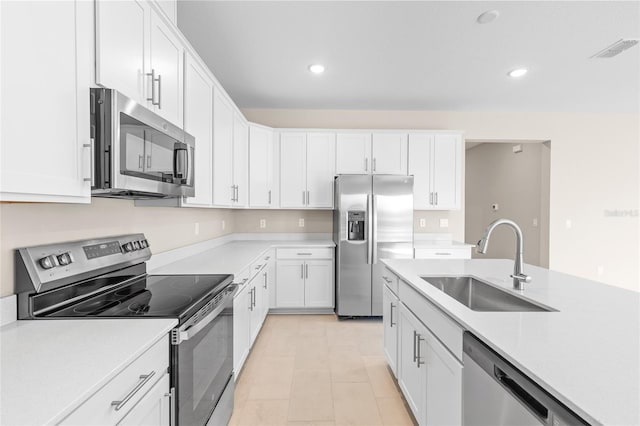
<point x="355" y="225"/>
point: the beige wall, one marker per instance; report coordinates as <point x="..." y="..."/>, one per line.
<point x="594" y="168"/>
<point x="283" y="220"/>
<point x="513" y="181"/>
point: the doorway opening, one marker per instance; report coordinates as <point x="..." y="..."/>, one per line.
<point x="510" y="180"/>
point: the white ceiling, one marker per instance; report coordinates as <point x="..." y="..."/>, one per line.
<point x="419" y="55"/>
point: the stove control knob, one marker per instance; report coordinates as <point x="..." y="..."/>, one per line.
<point x="136" y="245"/>
<point x="65" y="259"/>
<point x="144" y="244"/>
<point x="127" y="247"/>
<point x="47" y="262"/>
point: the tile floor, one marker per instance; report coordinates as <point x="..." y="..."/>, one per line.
<point x="316" y="370"/>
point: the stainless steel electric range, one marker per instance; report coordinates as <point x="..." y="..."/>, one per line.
<point x="106" y="278"/>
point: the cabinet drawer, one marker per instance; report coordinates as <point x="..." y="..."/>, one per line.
<point x="390" y="280"/>
<point x="242" y="278"/>
<point x="450" y="253"/>
<point x="305" y="253"/>
<point x="257" y="265"/>
<point x="443" y="327"/>
<point x="98" y="409"/>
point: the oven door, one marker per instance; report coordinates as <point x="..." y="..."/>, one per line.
<point x="202" y="361"/>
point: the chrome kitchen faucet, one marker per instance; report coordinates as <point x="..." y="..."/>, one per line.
<point x="519" y="278"/>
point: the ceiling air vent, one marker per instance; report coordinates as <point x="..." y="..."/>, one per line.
<point x="616" y="48"/>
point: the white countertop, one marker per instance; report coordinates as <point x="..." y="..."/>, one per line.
<point x="440" y="244"/>
<point x="587" y="354"/>
<point x="49" y="367"/>
<point x="231" y="258"/>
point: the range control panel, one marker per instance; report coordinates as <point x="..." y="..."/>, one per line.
<point x="63" y="261"/>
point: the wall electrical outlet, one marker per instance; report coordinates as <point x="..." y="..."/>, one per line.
<point x="263" y="223"/>
<point x="224" y="224"/>
<point x="568" y="224"/>
<point x="196" y="228"/>
<point x="535" y="222"/>
<point x="423" y="223"/>
<point x="495" y="207"/>
<point x="301" y="223"/>
<point x="444" y="223"/>
<point x="600" y="270"/>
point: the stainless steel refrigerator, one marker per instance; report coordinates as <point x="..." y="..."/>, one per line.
<point x="372" y="220"/>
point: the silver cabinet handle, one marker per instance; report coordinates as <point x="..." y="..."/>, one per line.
<point x="140" y="162"/>
<point x="431" y="198"/>
<point x="306" y="270"/>
<point x="91" y="163"/>
<point x="148" y="161"/>
<point x="304" y="195"/>
<point x="366" y="164"/>
<point x="153" y="88"/>
<point x="374" y="229"/>
<point x="264" y="275"/>
<point x="307" y="198"/>
<point x="436" y="198"/>
<point x="369" y="229"/>
<point x="304" y="254"/>
<point x="387" y="279"/>
<point x="419" y="360"/>
<point x="443" y="254"/>
<point x="172" y="406"/>
<point x="269" y="197"/>
<point x="159" y="92"/>
<point x="258" y="267"/>
<point x="302" y="270"/>
<point x="237" y="193"/>
<point x="144" y="378"/>
<point x="233" y="192"/>
<point x="391" y="323"/>
<point x="415" y="337"/>
<point x="374" y="164"/>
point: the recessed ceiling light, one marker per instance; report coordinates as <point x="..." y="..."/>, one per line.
<point x="488" y="16"/>
<point x="518" y="72"/>
<point x="316" y="68"/>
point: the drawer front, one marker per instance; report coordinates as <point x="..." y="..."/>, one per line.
<point x="455" y="253"/>
<point x="242" y="278"/>
<point x="259" y="264"/>
<point x="128" y="387"/>
<point x="305" y="253"/>
<point x="444" y="328"/>
<point x="390" y="280"/>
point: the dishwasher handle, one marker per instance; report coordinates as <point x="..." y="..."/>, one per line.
<point x="520" y="393"/>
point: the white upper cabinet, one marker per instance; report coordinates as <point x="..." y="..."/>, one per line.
<point x="307" y="169"/>
<point x="170" y="9"/>
<point x="223" y="188"/>
<point x="389" y="154"/>
<point x="44" y="96"/>
<point x="353" y="152"/>
<point x="240" y="161"/>
<point x="261" y="166"/>
<point x="140" y="55"/>
<point x="166" y="56"/>
<point x="381" y="153"/>
<point x="435" y="161"/>
<point x="198" y="122"/>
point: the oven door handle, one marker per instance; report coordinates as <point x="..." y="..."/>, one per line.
<point x="196" y="328"/>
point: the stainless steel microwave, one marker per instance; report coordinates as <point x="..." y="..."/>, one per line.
<point x="136" y="153"/>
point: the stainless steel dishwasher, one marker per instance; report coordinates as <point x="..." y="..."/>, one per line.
<point x="495" y="393"/>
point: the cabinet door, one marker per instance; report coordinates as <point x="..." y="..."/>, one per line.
<point x="265" y="298"/>
<point x="293" y="161"/>
<point x="318" y="286"/>
<point x="271" y="282"/>
<point x="241" y="160"/>
<point x="153" y="409"/>
<point x="198" y="122"/>
<point x="444" y="384"/>
<point x="255" y="313"/>
<point x="321" y="169"/>
<point x="390" y="323"/>
<point x="260" y="166"/>
<point x="290" y="285"/>
<point x="166" y="60"/>
<point x="241" y="324"/>
<point x="389" y="154"/>
<point x="412" y="378"/>
<point x="420" y="168"/>
<point x="46" y="72"/>
<point x="223" y="193"/>
<point x="447" y="173"/>
<point x="122" y="39"/>
<point x="353" y="152"/>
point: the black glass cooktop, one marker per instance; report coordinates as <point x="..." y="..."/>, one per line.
<point x="159" y="296"/>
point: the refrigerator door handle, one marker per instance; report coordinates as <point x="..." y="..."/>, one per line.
<point x="374" y="228"/>
<point x="370" y="229"/>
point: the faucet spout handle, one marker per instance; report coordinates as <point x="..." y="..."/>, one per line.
<point x="519" y="280"/>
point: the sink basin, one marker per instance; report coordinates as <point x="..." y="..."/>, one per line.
<point x="480" y="296"/>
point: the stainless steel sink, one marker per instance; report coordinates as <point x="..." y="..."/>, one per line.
<point x="480" y="296"/>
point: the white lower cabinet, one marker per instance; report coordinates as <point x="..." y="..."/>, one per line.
<point x="138" y="395"/>
<point x="153" y="409"/>
<point x="429" y="375"/>
<point x="241" y="321"/>
<point x="304" y="278"/>
<point x="390" y="306"/>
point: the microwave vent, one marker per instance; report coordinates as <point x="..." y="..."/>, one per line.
<point x="616" y="48"/>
